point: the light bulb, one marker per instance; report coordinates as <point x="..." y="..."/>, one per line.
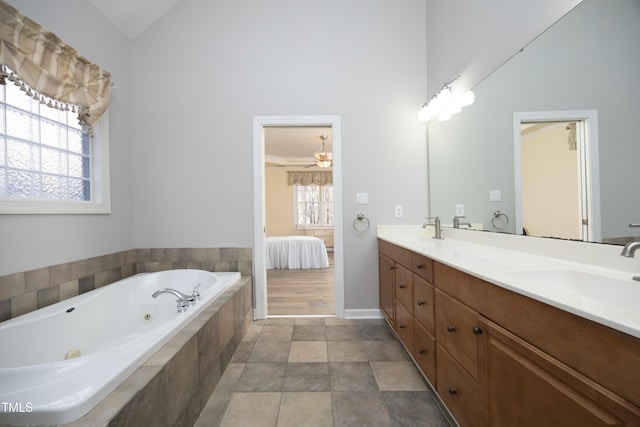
<point x="467" y="99"/>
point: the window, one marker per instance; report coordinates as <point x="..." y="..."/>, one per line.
<point x="313" y="205"/>
<point x="48" y="163"/>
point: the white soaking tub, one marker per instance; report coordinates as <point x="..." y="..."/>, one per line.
<point x="58" y="362"/>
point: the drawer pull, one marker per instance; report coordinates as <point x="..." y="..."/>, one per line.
<point x="403" y="326"/>
<point x="453" y="391"/>
<point x="401" y="286"/>
<point x="422" y="351"/>
<point x="421" y="302"/>
<point x="420" y="266"/>
<point x="451" y="328"/>
<point x="477" y="330"/>
<point x="392" y="268"/>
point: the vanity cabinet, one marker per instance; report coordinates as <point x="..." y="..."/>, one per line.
<point x="407" y="301"/>
<point x="527" y="387"/>
<point x="499" y="358"/>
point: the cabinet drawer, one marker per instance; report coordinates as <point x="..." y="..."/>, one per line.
<point x="461" y="393"/>
<point x="424" y="352"/>
<point x="423" y="303"/>
<point x="404" y="287"/>
<point x="404" y="325"/>
<point x="455" y="325"/>
<point x="422" y="266"/>
<point x="396" y="253"/>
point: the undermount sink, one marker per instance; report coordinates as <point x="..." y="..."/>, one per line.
<point x="578" y="288"/>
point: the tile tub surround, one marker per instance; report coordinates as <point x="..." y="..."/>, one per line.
<point x="27" y="291"/>
<point x="172" y="387"/>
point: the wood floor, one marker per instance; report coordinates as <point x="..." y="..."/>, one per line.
<point x="309" y="292"/>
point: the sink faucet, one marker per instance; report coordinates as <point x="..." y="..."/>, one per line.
<point x="183" y="301"/>
<point x="629" y="251"/>
<point x="436" y="225"/>
<point x="457" y="223"/>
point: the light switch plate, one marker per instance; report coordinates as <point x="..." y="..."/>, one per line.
<point x="495" y="195"/>
<point x="362" y="198"/>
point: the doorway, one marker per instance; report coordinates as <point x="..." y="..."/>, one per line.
<point x="260" y="236"/>
<point x="556" y="175"/>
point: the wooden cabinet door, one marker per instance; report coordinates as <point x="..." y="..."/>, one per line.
<point x="527" y="387"/>
<point x="424" y="303"/>
<point x="404" y="287"/>
<point x="456" y="331"/>
<point x="386" y="270"/>
<point x="404" y="325"/>
<point x="424" y="352"/>
<point x="461" y="393"/>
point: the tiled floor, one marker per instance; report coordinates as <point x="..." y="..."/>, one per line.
<point x="320" y="372"/>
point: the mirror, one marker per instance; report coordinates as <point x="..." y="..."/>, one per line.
<point x="588" y="61"/>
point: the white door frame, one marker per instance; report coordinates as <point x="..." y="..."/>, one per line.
<point x="589" y="161"/>
<point x="259" y="214"/>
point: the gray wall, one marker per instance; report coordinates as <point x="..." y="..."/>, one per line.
<point x="33" y="241"/>
<point x="204" y="70"/>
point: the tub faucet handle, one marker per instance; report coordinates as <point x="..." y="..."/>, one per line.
<point x="195" y="295"/>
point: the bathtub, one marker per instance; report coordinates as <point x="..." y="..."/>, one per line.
<point x="58" y="362"/>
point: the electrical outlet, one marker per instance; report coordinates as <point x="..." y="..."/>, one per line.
<point x="398" y="211"/>
<point x="362" y="198"/>
<point x="495" y="195"/>
<point x="460" y="210"/>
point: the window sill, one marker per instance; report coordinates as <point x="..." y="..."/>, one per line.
<point x="43" y="207"/>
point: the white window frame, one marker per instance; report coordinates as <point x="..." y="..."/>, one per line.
<point x="100" y="202"/>
<point x="297" y="226"/>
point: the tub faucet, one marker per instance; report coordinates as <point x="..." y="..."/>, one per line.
<point x="629" y="251"/>
<point x="436" y="225"/>
<point x="183" y="301"/>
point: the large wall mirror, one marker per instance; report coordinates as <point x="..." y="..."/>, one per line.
<point x="580" y="78"/>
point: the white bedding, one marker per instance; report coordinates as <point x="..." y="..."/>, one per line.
<point x="293" y="252"/>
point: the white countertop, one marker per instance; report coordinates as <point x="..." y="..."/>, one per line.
<point x="589" y="289"/>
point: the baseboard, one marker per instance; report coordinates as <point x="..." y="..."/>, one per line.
<point x="373" y="313"/>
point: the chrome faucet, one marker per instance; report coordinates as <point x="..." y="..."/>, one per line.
<point x="457" y="223"/>
<point x="183" y="301"/>
<point x="436" y="225"/>
<point x="629" y="251"/>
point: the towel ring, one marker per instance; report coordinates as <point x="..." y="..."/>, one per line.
<point x="361" y="223"/>
<point x="501" y="218"/>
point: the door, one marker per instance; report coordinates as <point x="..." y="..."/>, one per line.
<point x="556" y="175"/>
<point x="259" y="252"/>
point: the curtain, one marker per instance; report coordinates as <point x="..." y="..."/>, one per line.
<point x="308" y="178"/>
<point x="50" y="70"/>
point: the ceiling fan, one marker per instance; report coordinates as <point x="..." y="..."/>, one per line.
<point x="324" y="158"/>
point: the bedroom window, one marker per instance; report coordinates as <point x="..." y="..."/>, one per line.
<point x="313" y="206"/>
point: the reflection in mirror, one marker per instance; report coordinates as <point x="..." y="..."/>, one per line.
<point x="556" y="175"/>
<point x="587" y="61"/>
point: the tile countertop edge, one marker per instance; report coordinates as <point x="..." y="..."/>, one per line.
<point x="488" y="259"/>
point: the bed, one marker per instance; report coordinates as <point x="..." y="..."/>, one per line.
<point x="294" y="252"/>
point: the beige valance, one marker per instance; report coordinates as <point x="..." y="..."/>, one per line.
<point x="50" y="70"/>
<point x="308" y="178"/>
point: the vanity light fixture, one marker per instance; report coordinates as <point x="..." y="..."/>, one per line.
<point x="443" y="105"/>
